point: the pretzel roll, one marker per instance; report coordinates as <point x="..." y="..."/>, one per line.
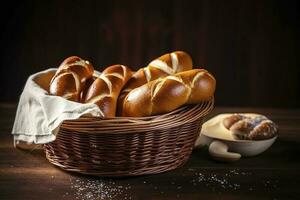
<point x="88" y="83"/>
<point x="163" y="66"/>
<point x="105" y="90"/>
<point x="166" y="94"/>
<point x="70" y="78"/>
<point x="250" y="127"/>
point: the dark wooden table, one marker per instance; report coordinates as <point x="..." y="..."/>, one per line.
<point x="275" y="174"/>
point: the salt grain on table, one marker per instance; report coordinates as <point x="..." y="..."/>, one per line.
<point x="98" y="189"/>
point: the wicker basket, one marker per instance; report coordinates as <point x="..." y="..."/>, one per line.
<point x="128" y="146"/>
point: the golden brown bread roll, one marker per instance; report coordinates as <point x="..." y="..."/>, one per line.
<point x="70" y="78"/>
<point x="163" y="66"/>
<point x="104" y="91"/>
<point x="88" y="83"/>
<point x="166" y="94"/>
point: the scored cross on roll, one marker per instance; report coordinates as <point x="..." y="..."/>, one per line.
<point x="104" y="91"/>
<point x="166" y="94"/>
<point x="70" y="78"/>
<point x="163" y="66"/>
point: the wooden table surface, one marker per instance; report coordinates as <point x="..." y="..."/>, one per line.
<point x="274" y="174"/>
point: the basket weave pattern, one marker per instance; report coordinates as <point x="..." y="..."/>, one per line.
<point x="128" y="146"/>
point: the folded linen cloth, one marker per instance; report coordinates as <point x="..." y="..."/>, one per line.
<point x="39" y="114"/>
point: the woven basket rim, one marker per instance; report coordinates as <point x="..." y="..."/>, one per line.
<point x="182" y="115"/>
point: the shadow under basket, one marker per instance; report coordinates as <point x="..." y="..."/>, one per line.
<point x="128" y="146"/>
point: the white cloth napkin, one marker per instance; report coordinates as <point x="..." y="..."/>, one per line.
<point x="39" y="114"/>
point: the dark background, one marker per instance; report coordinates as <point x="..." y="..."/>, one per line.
<point x="252" y="47"/>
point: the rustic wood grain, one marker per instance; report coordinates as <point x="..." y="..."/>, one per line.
<point x="26" y="174"/>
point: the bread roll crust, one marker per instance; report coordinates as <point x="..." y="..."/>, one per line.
<point x="162" y="66"/>
<point x="166" y="94"/>
<point x="70" y="78"/>
<point x="104" y="91"/>
<point x="247" y="127"/>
